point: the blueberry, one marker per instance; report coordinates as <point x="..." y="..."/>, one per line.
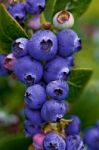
<point x="74" y="127"/>
<point x="17" y="10"/>
<point x="68" y="42"/>
<point x="35" y="96"/>
<point x="35" y="6"/>
<point x="53" y="110"/>
<point x="29" y="129"/>
<point x="70" y="61"/>
<point x="63" y="19"/>
<point x="34" y="116"/>
<point x="56" y="69"/>
<point x="3" y="71"/>
<point x="43" y="45"/>
<point x="53" y="141"/>
<point x="74" y="142"/>
<point x="57" y="89"/>
<point x="19" y="47"/>
<point x="27" y="70"/>
<point x="91" y="138"/>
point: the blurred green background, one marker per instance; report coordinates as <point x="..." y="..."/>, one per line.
<point x="87" y="107"/>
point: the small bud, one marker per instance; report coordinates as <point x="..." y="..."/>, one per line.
<point x="63" y="19"/>
<point x="34" y="23"/>
<point x="38" y="141"/>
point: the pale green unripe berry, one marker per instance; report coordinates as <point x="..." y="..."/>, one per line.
<point x="63" y="19"/>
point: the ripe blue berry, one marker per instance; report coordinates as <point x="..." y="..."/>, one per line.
<point x="19" y="47"/>
<point x="29" y="129"/>
<point x="34" y="116"/>
<point x="43" y="45"/>
<point x="35" y="96"/>
<point x="57" y="89"/>
<point x="27" y="70"/>
<point x="17" y="10"/>
<point x="70" y="61"/>
<point x="53" y="110"/>
<point x="53" y="141"/>
<point x="68" y="42"/>
<point x="56" y="69"/>
<point x="35" y="6"/>
<point x="3" y="70"/>
<point x="91" y="138"/>
<point x="74" y="143"/>
<point x="74" y="127"/>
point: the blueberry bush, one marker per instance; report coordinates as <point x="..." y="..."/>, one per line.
<point x="37" y="45"/>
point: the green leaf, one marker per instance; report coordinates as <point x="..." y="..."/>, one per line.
<point x="60" y="5"/>
<point x="77" y="7"/>
<point x="9" y="29"/>
<point x="87" y="107"/>
<point x="77" y="81"/>
<point x="53" y="6"/>
<point x="15" y="143"/>
<point x="49" y="9"/>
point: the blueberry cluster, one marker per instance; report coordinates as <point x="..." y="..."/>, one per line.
<point x="20" y="10"/>
<point x="43" y="63"/>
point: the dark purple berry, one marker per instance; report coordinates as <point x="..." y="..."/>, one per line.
<point x="74" y="127"/>
<point x="19" y="47"/>
<point x="53" y="110"/>
<point x="17" y="10"/>
<point x="43" y="45"/>
<point x="56" y="69"/>
<point x="68" y="42"/>
<point x="28" y="70"/>
<point x="74" y="142"/>
<point x="34" y="116"/>
<point x="34" y="7"/>
<point x="53" y="141"/>
<point x="91" y="138"/>
<point x="35" y="96"/>
<point x="57" y="89"/>
<point x="29" y="129"/>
